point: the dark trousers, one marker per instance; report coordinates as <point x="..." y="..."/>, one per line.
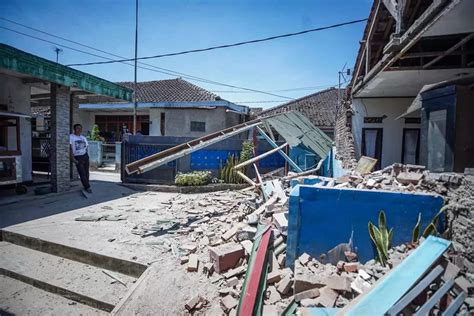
<point x="83" y="169"/>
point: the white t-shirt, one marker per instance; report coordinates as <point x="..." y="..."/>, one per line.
<point x="79" y="144"/>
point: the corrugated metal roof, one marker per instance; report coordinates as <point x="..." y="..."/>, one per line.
<point x="296" y="129"/>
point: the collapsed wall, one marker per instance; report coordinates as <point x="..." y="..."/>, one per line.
<point x="345" y="150"/>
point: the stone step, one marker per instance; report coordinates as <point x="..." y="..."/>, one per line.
<point x="130" y="268"/>
<point x="19" y="298"/>
<point x="71" y="279"/>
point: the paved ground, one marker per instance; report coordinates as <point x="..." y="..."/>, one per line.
<point x="53" y="219"/>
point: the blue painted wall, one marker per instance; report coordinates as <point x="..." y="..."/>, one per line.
<point x="321" y="218"/>
<point x="332" y="167"/>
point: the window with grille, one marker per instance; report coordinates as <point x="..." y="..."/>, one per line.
<point x="198" y="126"/>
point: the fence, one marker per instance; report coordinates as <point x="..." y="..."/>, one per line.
<point x="210" y="158"/>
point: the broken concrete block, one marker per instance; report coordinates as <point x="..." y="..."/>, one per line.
<point x="191" y="304"/>
<point x="273" y="295"/>
<point x="228" y="302"/>
<point x="464" y="284"/>
<point x="313" y="293"/>
<point x="273" y="277"/>
<point x="451" y="271"/>
<point x="305" y="282"/>
<point x="190" y="248"/>
<point x="274" y="266"/>
<point x="281" y="222"/>
<point x="409" y="177"/>
<point x="193" y="263"/>
<point x="309" y="302"/>
<point x="351" y="267"/>
<point x="226" y="256"/>
<point x="235" y="272"/>
<point x="339" y="283"/>
<point x="269" y="310"/>
<point x="281" y="260"/>
<point x="304" y="258"/>
<point x="232" y="282"/>
<point x="248" y="245"/>
<point x="284" y="285"/>
<point x="246" y="233"/>
<point x="183" y="259"/>
<point x="230" y="233"/>
<point x="359" y="285"/>
<point x="223" y="291"/>
<point x="364" y="275"/>
<point x="208" y="269"/>
<point x="370" y="183"/>
<point x="327" y="297"/>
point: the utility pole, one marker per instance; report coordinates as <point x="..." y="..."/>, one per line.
<point x="135" y="80"/>
<point x="58" y="51"/>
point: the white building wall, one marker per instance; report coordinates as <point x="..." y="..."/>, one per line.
<point x="16" y="95"/>
<point x="392" y="128"/>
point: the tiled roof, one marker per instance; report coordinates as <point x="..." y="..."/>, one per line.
<point x="172" y="90"/>
<point x="319" y="108"/>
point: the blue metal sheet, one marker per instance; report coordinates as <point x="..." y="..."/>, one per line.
<point x="379" y="300"/>
<point x="320" y="218"/>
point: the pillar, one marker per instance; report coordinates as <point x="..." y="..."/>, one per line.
<point x="60" y="123"/>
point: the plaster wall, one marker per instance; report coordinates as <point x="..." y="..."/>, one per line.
<point x="178" y="121"/>
<point x="16" y="96"/>
<point x="392" y="128"/>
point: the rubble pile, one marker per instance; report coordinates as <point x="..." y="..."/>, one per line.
<point x="400" y="178"/>
<point x="216" y="237"/>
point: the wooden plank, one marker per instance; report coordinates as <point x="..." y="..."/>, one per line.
<point x="282" y="153"/>
<point x="246" y="179"/>
<point x="266" y="154"/>
<point x="248" y="302"/>
<point x="382" y="296"/>
<point x="425" y="309"/>
<point x="449" y="51"/>
<point x="410" y="296"/>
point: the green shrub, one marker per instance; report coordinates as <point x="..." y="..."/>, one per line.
<point x="193" y="178"/>
<point x="95" y="134"/>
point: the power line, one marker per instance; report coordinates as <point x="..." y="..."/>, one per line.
<point x="226" y="45"/>
<point x="190" y="77"/>
<point x="282" y="90"/>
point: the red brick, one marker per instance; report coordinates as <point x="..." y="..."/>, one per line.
<point x="226" y="256"/>
<point x="351" y="267"/>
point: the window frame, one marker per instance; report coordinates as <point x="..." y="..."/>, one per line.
<point x="417" y="156"/>
<point x="195" y="129"/>
<point x="16" y="152"/>
<point x="378" y="145"/>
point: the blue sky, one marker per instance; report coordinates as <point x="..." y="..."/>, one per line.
<point x="310" y="60"/>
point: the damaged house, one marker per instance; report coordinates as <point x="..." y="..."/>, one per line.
<point x="411" y="89"/>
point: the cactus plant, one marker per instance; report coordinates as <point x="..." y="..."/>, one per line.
<point x="227" y="172"/>
<point x="381" y="237"/>
<point x="431" y="229"/>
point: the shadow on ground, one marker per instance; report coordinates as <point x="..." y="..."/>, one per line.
<point x="24" y="211"/>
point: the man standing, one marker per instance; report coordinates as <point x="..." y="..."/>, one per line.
<point x="79" y="155"/>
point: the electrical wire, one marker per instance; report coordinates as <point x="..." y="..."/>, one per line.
<point x="190" y="77"/>
<point x="226" y="45"/>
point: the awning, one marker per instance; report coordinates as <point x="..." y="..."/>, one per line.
<point x="417" y="103"/>
<point x="27" y="66"/>
<point x="296" y="129"/>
